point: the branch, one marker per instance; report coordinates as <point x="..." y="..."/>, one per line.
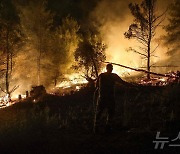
<point x="155" y="48"/>
<point x="152" y="65"/>
<point x="154" y="56"/>
<point x="141" y="70"/>
<point x="2" y="63"/>
<point x="14" y="88"/>
<point x="138" y="52"/>
<point x="2" y="90"/>
<point x="153" y="34"/>
<point x="142" y="43"/>
<point x="139" y="34"/>
<point x="162" y="66"/>
<point x="142" y="39"/>
<point x="144" y="58"/>
<point x="2" y="70"/>
<point x="144" y="49"/>
<point x="164" y="13"/>
<point x="154" y="27"/>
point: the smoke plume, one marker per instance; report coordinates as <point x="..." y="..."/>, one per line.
<point x="115" y="17"/>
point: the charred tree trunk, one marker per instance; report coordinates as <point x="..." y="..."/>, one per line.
<point x="38" y="68"/>
<point x="11" y="62"/>
<point x="55" y="80"/>
<point x="7" y="62"/>
<point x="95" y="67"/>
<point x="149" y="40"/>
<point x="39" y="63"/>
<point x="149" y="57"/>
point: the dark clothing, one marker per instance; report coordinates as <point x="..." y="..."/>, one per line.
<point x="106" y="83"/>
<point x="109" y="105"/>
<point x="106" y="100"/>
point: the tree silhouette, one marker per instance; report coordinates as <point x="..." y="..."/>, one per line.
<point x="144" y="27"/>
<point x="90" y="54"/>
<point x="65" y="42"/>
<point x="36" y="22"/>
<point x="10" y="38"/>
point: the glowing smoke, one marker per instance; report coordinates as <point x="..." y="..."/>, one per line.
<point x="115" y="17"/>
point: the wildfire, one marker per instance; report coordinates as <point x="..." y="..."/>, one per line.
<point x="157" y="81"/>
<point x="5" y="101"/>
<point x="75" y="82"/>
<point x="72" y="80"/>
<point x="78" y="87"/>
<point x="16" y="96"/>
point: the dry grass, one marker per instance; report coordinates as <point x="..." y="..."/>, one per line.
<point x="67" y="121"/>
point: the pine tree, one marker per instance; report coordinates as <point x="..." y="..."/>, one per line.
<point x="144" y="27"/>
<point x="66" y="39"/>
<point x="90" y="54"/>
<point x="10" y="38"/>
<point x="36" y="22"/>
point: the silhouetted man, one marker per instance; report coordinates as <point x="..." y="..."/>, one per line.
<point x="106" y="100"/>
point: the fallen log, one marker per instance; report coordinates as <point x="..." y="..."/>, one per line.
<point x="142" y="70"/>
<point x="162" y="66"/>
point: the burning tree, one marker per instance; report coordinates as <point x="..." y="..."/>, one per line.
<point x="10" y="37"/>
<point x="36" y="22"/>
<point x="90" y="54"/>
<point x="65" y="42"/>
<point x="144" y="27"/>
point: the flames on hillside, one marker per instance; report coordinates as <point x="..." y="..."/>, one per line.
<point x="173" y="77"/>
<point x="75" y="82"/>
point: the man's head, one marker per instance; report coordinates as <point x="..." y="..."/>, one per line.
<point x="109" y="68"/>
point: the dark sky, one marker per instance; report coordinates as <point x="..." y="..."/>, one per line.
<point x="79" y="9"/>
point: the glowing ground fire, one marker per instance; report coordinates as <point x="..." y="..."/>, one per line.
<point x="75" y="81"/>
<point x="72" y="80"/>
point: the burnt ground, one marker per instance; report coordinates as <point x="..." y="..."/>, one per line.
<point x="63" y="124"/>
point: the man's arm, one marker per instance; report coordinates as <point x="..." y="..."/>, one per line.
<point x="120" y="81"/>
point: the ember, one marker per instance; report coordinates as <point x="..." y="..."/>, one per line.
<point x="4" y="101"/>
<point x="163" y="80"/>
<point x="70" y="84"/>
